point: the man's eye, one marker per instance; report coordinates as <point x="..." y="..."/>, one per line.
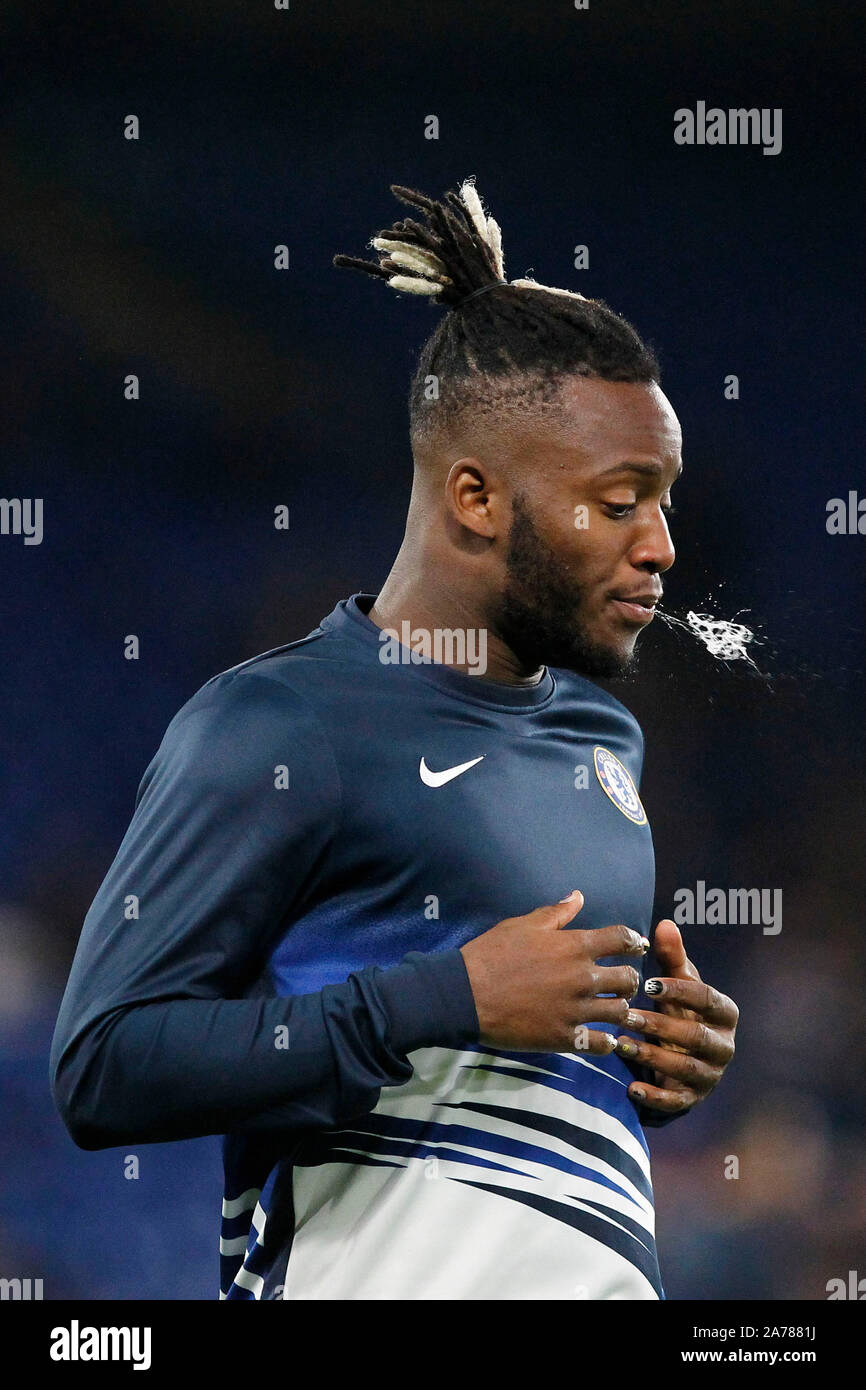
<point x="618" y="509"/>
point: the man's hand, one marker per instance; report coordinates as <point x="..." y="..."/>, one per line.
<point x="536" y="987"/>
<point x="692" y="1031"/>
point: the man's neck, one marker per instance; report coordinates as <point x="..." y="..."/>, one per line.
<point x="428" y="607"/>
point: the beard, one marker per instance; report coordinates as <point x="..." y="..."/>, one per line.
<point x="540" y="613"/>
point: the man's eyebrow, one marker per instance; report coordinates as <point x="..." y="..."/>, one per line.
<point x="649" y="470"/>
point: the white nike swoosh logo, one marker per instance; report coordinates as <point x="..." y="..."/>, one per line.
<point x="438" y="779"/>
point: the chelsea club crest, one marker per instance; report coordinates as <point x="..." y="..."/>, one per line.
<point x="617" y="783"/>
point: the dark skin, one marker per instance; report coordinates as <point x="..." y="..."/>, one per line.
<point x="493" y="542"/>
<point x="689" y="1015"/>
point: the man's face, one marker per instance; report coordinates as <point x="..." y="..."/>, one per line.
<point x="589" y="540"/>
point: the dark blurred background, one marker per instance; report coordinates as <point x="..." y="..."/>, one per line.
<point x="261" y="387"/>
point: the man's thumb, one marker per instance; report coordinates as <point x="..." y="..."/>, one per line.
<point x="560" y="914"/>
<point x="669" y="948"/>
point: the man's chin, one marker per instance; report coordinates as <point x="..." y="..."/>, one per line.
<point x="596" y="662"/>
<point x="572" y="650"/>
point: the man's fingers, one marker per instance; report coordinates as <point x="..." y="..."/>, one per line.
<point x="606" y="1011"/>
<point x="657" y="1098"/>
<point x="621" y="980"/>
<point x="691" y="1034"/>
<point x="701" y="1074"/>
<point x="710" y="1003"/>
<point x="618" y="940"/>
<point x="612" y="941"/>
<point x="594" y="1041"/>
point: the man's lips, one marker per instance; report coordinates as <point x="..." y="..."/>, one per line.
<point x="639" y="607"/>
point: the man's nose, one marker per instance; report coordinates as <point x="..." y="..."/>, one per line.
<point x="654" y="550"/>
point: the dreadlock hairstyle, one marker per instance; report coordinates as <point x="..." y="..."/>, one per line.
<point x="502" y="343"/>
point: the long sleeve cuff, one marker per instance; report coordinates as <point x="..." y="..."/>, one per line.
<point x="429" y="1001"/>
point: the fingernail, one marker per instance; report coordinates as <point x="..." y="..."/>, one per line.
<point x="626" y="1048"/>
<point x="612" y="1041"/>
<point x="634" y="1020"/>
<point x="644" y="941"/>
<point x="637" y="1093"/>
<point x="654" y="987"/>
<point x="575" y="893"/>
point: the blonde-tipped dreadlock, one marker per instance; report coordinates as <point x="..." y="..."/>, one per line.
<point x="493" y="347"/>
<point x="409" y="247"/>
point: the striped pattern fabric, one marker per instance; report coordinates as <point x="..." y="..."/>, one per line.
<point x="520" y="1175"/>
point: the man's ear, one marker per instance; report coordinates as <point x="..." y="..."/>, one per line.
<point x="473" y="501"/>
